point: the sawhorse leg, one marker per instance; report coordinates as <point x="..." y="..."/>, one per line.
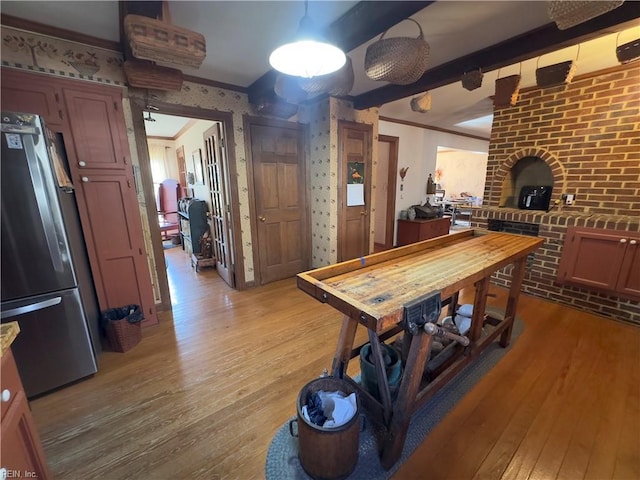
<point x="344" y="348"/>
<point x="404" y="406"/>
<point x="517" y="275"/>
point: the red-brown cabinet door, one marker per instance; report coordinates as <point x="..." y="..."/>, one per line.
<point x="629" y="279"/>
<point x="26" y="93"/>
<point x="97" y="124"/>
<point x="116" y="232"/>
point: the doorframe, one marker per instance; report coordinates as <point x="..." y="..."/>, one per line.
<point x="248" y="122"/>
<point x="137" y="104"/>
<point x="390" y="228"/>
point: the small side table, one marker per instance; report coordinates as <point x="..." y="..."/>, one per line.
<point x="198" y="261"/>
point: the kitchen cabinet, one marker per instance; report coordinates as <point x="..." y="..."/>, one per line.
<point x="603" y="260"/>
<point x="91" y="122"/>
<point x="21" y="451"/>
<point x="411" y="231"/>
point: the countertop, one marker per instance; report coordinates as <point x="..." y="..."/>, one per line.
<point x="8" y="333"/>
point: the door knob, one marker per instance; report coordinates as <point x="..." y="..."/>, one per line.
<point x="85" y="179"/>
<point x="623" y="240"/>
<point x="364" y="213"/>
<point x="82" y="164"/>
<point x="6" y="395"/>
<point x="262" y="219"/>
<point x="632" y="242"/>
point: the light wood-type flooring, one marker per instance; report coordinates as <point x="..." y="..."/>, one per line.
<point x="204" y="392"/>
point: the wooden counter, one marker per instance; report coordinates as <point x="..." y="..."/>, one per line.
<point x="21" y="452"/>
<point x="374" y="290"/>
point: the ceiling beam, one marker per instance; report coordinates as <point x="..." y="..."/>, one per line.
<point x="359" y="25"/>
<point x="536" y="42"/>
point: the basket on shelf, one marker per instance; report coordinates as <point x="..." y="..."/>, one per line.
<point x="628" y="52"/>
<point x="399" y="60"/>
<point x="337" y="83"/>
<point x="421" y="104"/>
<point x="567" y="14"/>
<point x="145" y="74"/>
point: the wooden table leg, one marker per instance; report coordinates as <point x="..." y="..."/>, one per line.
<point x="403" y="408"/>
<point x="479" y="307"/>
<point x="381" y="375"/>
<point x="517" y="275"/>
<point x="345" y="346"/>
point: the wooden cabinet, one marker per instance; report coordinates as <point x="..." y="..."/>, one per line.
<point x="91" y="121"/>
<point x="603" y="260"/>
<point x="411" y="231"/>
<point x="193" y="223"/>
<point x="21" y="453"/>
<point x="97" y="125"/>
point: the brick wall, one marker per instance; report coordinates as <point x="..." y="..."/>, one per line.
<point x="588" y="133"/>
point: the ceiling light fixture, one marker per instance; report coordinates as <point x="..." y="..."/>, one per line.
<point x="309" y="54"/>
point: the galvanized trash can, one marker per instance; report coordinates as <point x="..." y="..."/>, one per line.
<point x="327" y="453"/>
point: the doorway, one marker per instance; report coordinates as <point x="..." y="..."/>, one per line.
<point x="385" y="192"/>
<point x="197" y="163"/>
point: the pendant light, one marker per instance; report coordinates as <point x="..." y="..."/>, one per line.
<point x="309" y="54"/>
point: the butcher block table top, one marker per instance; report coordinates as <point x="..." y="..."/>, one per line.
<point x="376" y="288"/>
<point x="8" y="333"/>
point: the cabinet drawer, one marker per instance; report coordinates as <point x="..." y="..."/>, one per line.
<point x="9" y="380"/>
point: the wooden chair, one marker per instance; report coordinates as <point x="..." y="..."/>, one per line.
<point x="169" y="194"/>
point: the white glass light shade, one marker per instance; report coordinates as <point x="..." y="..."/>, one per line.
<point x="307" y="58"/>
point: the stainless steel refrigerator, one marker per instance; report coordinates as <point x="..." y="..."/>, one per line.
<point x="46" y="280"/>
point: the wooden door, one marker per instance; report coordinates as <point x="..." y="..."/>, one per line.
<point x="114" y="230"/>
<point x="354" y="189"/>
<point x="217" y="178"/>
<point x="279" y="200"/>
<point x="31" y="94"/>
<point x="99" y="132"/>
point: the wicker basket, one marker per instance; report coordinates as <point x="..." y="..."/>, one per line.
<point x="337" y="83"/>
<point x="288" y="88"/>
<point x="567" y="14"/>
<point x="144" y="74"/>
<point x="421" y="104"/>
<point x="556" y="74"/>
<point x="122" y="335"/>
<point x="400" y="60"/>
<point x="472" y="80"/>
<point x="628" y="52"/>
<point x="159" y="41"/>
<point x="507" y="89"/>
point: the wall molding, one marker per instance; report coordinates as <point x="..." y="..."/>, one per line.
<point x="430" y="127"/>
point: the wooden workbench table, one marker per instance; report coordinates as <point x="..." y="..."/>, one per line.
<point x="374" y="290"/>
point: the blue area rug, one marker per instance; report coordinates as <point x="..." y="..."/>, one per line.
<point x="282" y="457"/>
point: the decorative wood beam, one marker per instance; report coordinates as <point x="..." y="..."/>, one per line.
<point x="359" y="25"/>
<point x="536" y="42"/>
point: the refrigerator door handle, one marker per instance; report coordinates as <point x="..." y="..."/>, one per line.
<point x="14" y="312"/>
<point x="46" y="213"/>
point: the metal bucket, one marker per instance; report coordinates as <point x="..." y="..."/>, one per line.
<point x="327" y="453"/>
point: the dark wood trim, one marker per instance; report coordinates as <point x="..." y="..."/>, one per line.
<point x="48" y="30"/>
<point x="357" y="26"/>
<point x="394" y="143"/>
<point x="430" y="127"/>
<point x="226" y="118"/>
<point x="213" y="83"/>
<point x="528" y="45"/>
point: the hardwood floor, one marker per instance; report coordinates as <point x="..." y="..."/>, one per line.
<point x="204" y="392"/>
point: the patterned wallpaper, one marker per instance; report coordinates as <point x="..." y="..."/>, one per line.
<point x="323" y="118"/>
<point x="39" y="53"/>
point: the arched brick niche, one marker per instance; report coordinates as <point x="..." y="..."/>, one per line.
<point x="529" y="167"/>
